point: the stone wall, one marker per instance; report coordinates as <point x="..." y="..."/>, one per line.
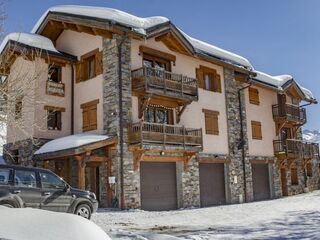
<point x="21" y="152"/>
<point x="236" y="176"/>
<point x="111" y="115"/>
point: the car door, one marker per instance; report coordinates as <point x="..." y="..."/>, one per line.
<point x="54" y="194"/>
<point x="27" y="187"/>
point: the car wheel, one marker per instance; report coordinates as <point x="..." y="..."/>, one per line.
<point x="83" y="210"/>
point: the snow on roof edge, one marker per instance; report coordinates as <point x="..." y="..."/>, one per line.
<point x="29" y="39"/>
<point x="70" y="142"/>
<point x="140" y="25"/>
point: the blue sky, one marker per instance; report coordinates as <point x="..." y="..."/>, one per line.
<point x="278" y="37"/>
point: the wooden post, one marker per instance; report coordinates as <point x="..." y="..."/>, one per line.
<point x="46" y="164"/>
<point x="81" y="171"/>
<point x="108" y="165"/>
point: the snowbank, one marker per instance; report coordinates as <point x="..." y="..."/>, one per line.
<point x="35" y="224"/>
<point x="29" y="39"/>
<point x="70" y="142"/>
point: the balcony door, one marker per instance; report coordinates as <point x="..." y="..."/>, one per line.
<point x="158" y="115"/>
<point x="282" y="99"/>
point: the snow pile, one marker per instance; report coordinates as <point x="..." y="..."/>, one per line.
<point x="137" y="23"/>
<point x="35" y="224"/>
<point x="69" y="142"/>
<point x="29" y="39"/>
<point x="203" y="47"/>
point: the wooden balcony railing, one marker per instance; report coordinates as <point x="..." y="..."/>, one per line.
<point x="289" y="112"/>
<point x="161" y="82"/>
<point x="164" y="134"/>
<point x="293" y="148"/>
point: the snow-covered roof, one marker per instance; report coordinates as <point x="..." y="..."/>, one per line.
<point x="29" y="39"/>
<point x="141" y="25"/>
<point x="280" y="81"/>
<point x="70" y="142"/>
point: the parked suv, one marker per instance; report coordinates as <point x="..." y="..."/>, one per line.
<point x="40" y="188"/>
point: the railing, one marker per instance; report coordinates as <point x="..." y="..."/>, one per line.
<point x="164" y="82"/>
<point x="296" y="148"/>
<point x="164" y="134"/>
<point x="290" y="112"/>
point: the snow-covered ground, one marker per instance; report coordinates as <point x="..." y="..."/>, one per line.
<point x="35" y="224"/>
<point x="296" y="217"/>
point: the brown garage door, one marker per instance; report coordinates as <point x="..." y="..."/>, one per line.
<point x="158" y="186"/>
<point x="260" y="178"/>
<point x="212" y="184"/>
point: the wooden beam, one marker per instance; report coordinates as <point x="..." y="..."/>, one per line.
<point x="81" y="171"/>
<point x="157" y="53"/>
<point x="213" y="160"/>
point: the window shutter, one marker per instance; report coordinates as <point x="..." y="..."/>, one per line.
<point x="85" y="119"/>
<point x="217" y="83"/>
<point x="211" y="122"/>
<point x="93" y="117"/>
<point x="294" y="176"/>
<point x="256" y="130"/>
<point x="99" y="63"/>
<point x="254" y="96"/>
<point x="78" y="72"/>
<point x="199" y="76"/>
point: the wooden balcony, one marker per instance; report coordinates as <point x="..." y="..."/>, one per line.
<point x="163" y="83"/>
<point x="295" y="149"/>
<point x="289" y="113"/>
<point x="165" y="135"/>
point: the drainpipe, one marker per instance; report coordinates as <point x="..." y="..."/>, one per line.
<point x="122" y="206"/>
<point x="242" y="142"/>
<point x="72" y="99"/>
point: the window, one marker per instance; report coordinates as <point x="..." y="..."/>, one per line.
<point x="26" y="179"/>
<point x="158" y="115"/>
<point x="4" y="176"/>
<point x="294" y="176"/>
<point x="208" y="79"/>
<point x="156" y="62"/>
<point x="54" y="115"/>
<point x="211" y="122"/>
<point x="18" y="108"/>
<point x="90" y="66"/>
<point x="256" y="130"/>
<point x="54" y="74"/>
<point x="51" y="181"/>
<point x="254" y="96"/>
<point x="89" y="115"/>
<point x="309" y="169"/>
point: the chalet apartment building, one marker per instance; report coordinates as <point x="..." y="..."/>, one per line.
<point x="148" y="117"/>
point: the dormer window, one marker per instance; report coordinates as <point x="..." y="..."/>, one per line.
<point x="89" y="66"/>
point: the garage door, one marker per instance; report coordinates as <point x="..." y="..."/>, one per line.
<point x="158" y="186"/>
<point x="260" y="178"/>
<point x="212" y="184"/>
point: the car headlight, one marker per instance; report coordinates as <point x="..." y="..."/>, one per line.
<point x="93" y="195"/>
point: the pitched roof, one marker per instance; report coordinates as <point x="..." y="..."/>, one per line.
<point x="142" y="26"/>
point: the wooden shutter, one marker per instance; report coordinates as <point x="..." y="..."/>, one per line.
<point x="89" y="115"/>
<point x="254" y="96"/>
<point x="211" y="122"/>
<point x="256" y="130"/>
<point x="294" y="176"/>
<point x="217" y="83"/>
<point x="79" y="72"/>
<point x="99" y="63"/>
<point x="199" y="76"/>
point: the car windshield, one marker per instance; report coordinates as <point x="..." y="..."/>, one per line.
<point x="51" y="181"/>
